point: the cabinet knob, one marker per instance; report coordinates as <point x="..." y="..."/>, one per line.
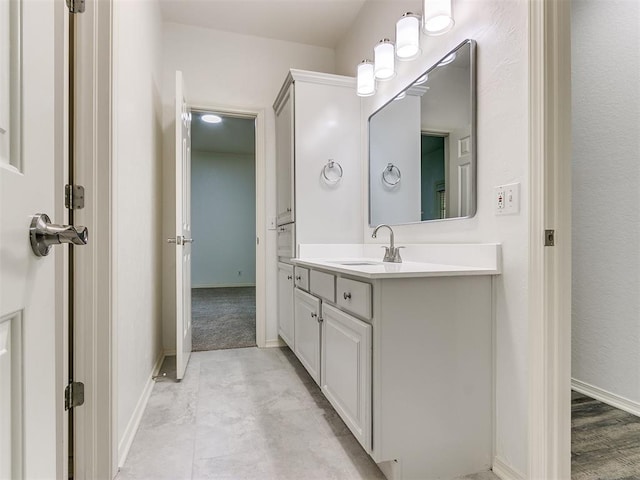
<point x="314" y="315"/>
<point x="289" y="209"/>
<point x="289" y="277"/>
<point x="347" y="296"/>
<point x="298" y="277"/>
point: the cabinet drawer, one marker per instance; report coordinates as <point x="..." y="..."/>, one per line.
<point x="354" y="296"/>
<point x="323" y="285"/>
<point x="286" y="241"/>
<point x="302" y="277"/>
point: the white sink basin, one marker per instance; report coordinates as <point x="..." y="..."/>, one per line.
<point x="355" y="262"/>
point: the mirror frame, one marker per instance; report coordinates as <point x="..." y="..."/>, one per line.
<point x="474" y="133"/>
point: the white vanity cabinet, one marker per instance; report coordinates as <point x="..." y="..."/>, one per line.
<point x="285" y="303"/>
<point x="317" y="117"/>
<point x="405" y="360"/>
<point x="335" y="346"/>
<point x="307" y="328"/>
<point x="346" y="370"/>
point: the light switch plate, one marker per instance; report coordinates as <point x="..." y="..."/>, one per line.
<point x="506" y="199"/>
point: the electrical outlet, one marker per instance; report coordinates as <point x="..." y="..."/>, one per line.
<point x="507" y="199"/>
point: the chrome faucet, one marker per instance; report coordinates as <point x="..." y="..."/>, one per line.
<point x="391" y="253"/>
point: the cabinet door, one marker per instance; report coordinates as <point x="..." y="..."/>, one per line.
<point x="284" y="159"/>
<point x="307" y="332"/>
<point x="346" y="370"/>
<point x="285" y="303"/>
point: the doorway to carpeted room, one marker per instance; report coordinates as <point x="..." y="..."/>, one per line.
<point x="223" y="218"/>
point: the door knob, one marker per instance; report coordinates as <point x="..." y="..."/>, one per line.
<point x="43" y="234"/>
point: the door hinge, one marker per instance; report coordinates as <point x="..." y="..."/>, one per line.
<point x="74" y="197"/>
<point x="73" y="395"/>
<point x="76" y="6"/>
<point x="549" y="238"/>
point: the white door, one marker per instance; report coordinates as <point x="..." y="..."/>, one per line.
<point x="183" y="229"/>
<point x="461" y="187"/>
<point x="284" y="159"/>
<point x="31" y="353"/>
<point x="285" y="303"/>
<point x="306" y="332"/>
<point x="346" y="370"/>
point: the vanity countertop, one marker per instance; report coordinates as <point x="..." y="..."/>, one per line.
<point x="422" y="260"/>
<point x="373" y="269"/>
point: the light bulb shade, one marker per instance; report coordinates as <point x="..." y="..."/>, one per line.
<point x="408" y="37"/>
<point x="366" y="80"/>
<point x="438" y="17"/>
<point x="384" y="60"/>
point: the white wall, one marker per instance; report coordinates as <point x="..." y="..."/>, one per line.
<point x="226" y="69"/>
<point x="501" y="29"/>
<point x="606" y="195"/>
<point x="395" y="138"/>
<point x="223" y="219"/>
<point x="137" y="195"/>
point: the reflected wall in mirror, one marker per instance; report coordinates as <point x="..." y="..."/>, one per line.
<point x="427" y="134"/>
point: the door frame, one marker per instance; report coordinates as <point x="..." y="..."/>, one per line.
<point x="550" y="266"/>
<point x="260" y="191"/>
<point x="95" y="365"/>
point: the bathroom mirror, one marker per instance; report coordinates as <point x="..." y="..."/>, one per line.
<point x="422" y="146"/>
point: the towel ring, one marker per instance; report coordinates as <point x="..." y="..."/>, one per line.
<point x="391" y="175"/>
<point x="332" y="172"/>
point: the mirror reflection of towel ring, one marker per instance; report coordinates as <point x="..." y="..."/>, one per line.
<point x="332" y="172"/>
<point x="391" y="175"/>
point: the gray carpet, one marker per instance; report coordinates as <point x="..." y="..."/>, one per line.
<point x="223" y="318"/>
<point x="605" y="441"/>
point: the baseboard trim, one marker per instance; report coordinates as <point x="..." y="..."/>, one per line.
<point x="224" y="285"/>
<point x="134" y="422"/>
<point x="504" y="471"/>
<point x="604" y="396"/>
<point x="170" y="353"/>
<point x="275" y="343"/>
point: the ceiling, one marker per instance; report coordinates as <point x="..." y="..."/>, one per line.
<point x="321" y="23"/>
<point x="234" y="135"/>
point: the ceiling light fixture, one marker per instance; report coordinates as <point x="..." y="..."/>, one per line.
<point x="366" y="80"/>
<point x="408" y="36"/>
<point x="210" y="118"/>
<point x="437" y="17"/>
<point x="384" y="60"/>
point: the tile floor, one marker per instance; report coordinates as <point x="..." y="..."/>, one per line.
<point x="245" y="414"/>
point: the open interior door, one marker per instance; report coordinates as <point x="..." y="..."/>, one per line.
<point x="183" y="238"/>
<point x="32" y="417"/>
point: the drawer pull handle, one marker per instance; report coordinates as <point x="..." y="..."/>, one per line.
<point x="289" y="277"/>
<point x="298" y="277"/>
<point x="347" y="296"/>
<point x="314" y="315"/>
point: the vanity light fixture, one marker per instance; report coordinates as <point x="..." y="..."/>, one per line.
<point x="384" y="60"/>
<point x="408" y="36"/>
<point x="422" y="80"/>
<point x="210" y="118"/>
<point x="437" y="17"/>
<point x="447" y="60"/>
<point x="366" y="80"/>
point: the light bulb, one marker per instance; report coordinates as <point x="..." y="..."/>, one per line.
<point x="408" y="36"/>
<point x="366" y="81"/>
<point x="384" y="60"/>
<point x="438" y="17"/>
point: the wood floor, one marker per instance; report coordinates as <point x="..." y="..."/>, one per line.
<point x="605" y="441"/>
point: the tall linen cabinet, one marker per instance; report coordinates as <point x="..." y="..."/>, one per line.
<point x="318" y="172"/>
